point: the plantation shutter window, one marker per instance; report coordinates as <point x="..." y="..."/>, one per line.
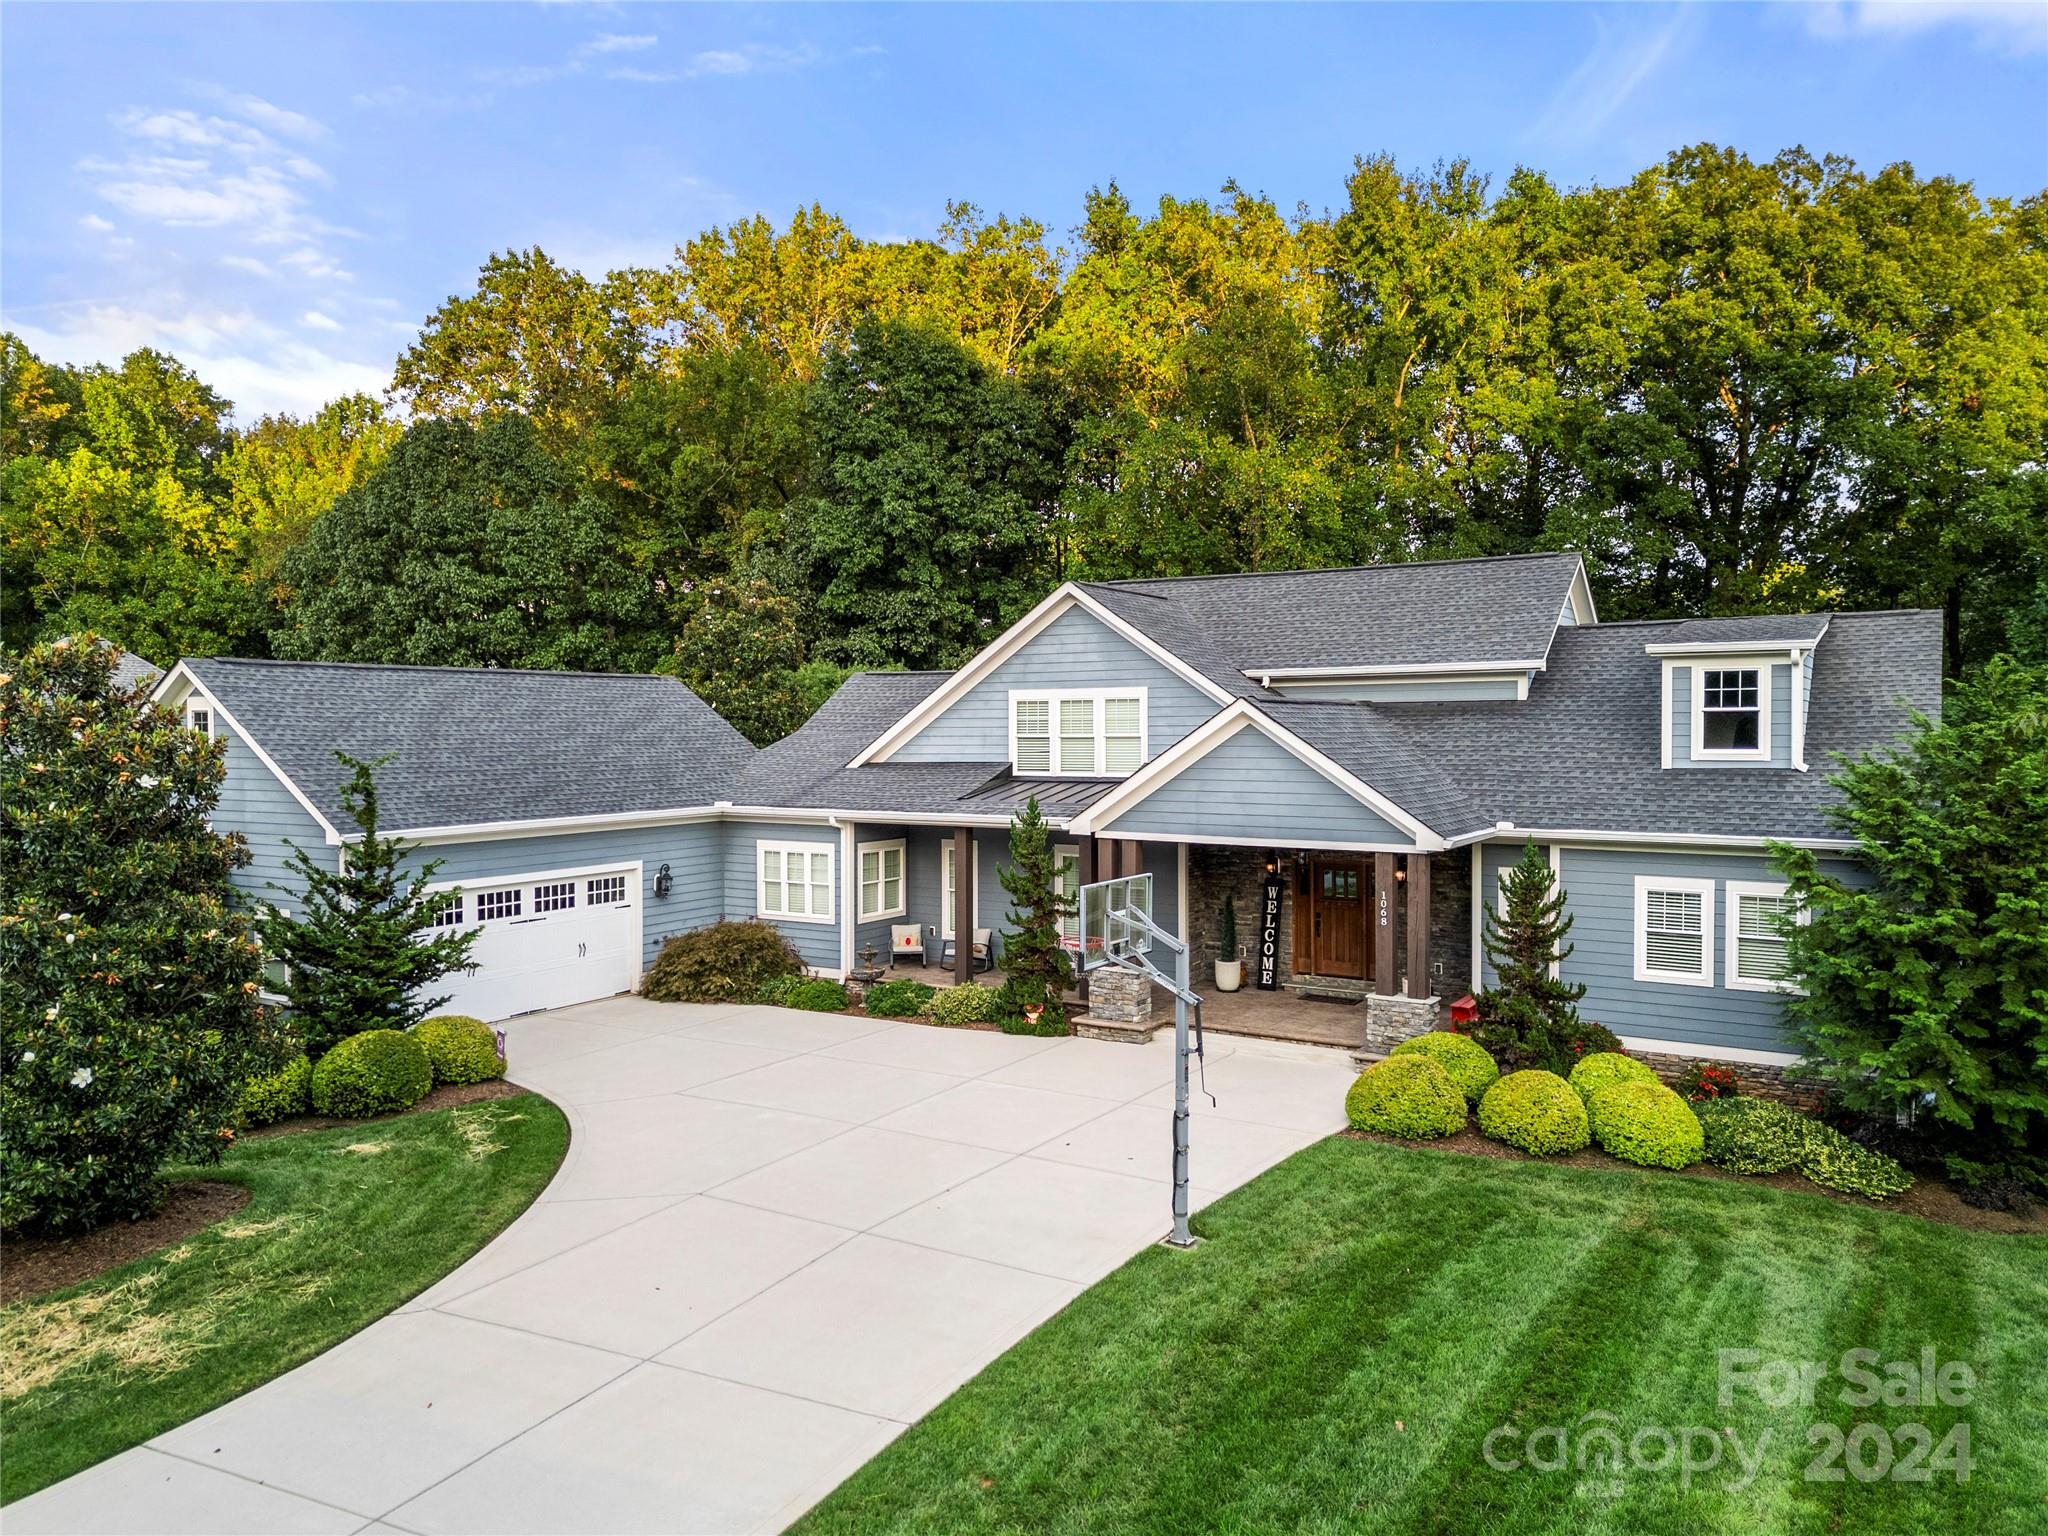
<point x="1675" y="930"/>
<point x="1066" y="884"/>
<point x="1034" y="736"/>
<point x="795" y="881"/>
<point x="1123" y="735"/>
<point x="1077" y="735"/>
<point x="1758" y="955"/>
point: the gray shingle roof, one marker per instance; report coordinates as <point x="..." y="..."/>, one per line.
<point x="1422" y="613"/>
<point x="1360" y="738"/>
<point x="130" y="671"/>
<point x="1583" y="752"/>
<point x="476" y="745"/>
<point x="1786" y="627"/>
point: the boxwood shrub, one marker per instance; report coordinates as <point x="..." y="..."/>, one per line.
<point x="968" y="1004"/>
<point x="818" y="994"/>
<point x="898" y="999"/>
<point x="721" y="963"/>
<point x="1409" y="1096"/>
<point x="277" y="1095"/>
<point x="373" y="1073"/>
<point x="1603" y="1069"/>
<point x="1463" y="1058"/>
<point x="1645" y="1123"/>
<point x="1536" y="1111"/>
<point x="459" y="1049"/>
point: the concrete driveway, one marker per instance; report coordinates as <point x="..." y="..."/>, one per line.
<point x="778" y="1239"/>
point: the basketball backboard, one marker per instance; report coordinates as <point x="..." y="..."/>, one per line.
<point x="1106" y="928"/>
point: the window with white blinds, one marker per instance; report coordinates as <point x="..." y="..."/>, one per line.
<point x="1757" y="912"/>
<point x="881" y="879"/>
<point x="795" y="881"/>
<point x="1080" y="732"/>
<point x="1674" y="930"/>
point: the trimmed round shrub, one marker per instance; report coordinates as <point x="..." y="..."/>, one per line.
<point x="373" y="1073"/>
<point x="969" y="1004"/>
<point x="1409" y="1096"/>
<point x="1536" y="1111"/>
<point x="1463" y="1058"/>
<point x="277" y="1095"/>
<point x="817" y="994"/>
<point x="1751" y="1135"/>
<point x="720" y="963"/>
<point x="1646" y="1123"/>
<point x="898" y="999"/>
<point x="459" y="1049"/>
<point x="1603" y="1069"/>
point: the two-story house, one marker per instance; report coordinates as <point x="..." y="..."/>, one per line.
<point x="1353" y="755"/>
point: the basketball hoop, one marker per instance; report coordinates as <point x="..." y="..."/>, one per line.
<point x="1117" y="932"/>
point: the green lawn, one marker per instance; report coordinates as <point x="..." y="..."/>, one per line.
<point x="341" y="1226"/>
<point x="1333" y="1357"/>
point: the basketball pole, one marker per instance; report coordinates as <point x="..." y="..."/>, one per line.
<point x="1182" y="1237"/>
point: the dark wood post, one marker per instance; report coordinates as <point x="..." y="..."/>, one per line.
<point x="1418" y="925"/>
<point x="1383" y="924"/>
<point x="963" y="905"/>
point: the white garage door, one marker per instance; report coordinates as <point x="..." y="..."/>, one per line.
<point x="545" y="941"/>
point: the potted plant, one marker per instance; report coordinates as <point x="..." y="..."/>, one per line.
<point x="1229" y="958"/>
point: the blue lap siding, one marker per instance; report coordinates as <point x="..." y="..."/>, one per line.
<point x="1253" y="789"/>
<point x="255" y="802"/>
<point x="818" y="943"/>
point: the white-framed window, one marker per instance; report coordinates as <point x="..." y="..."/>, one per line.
<point x="1731" y="712"/>
<point x="491" y="905"/>
<point x="1757" y="910"/>
<point x="199" y="716"/>
<point x="604" y="890"/>
<point x="557" y="896"/>
<point x="450" y="916"/>
<point x="1066" y="880"/>
<point x="1079" y="732"/>
<point x="1675" y="930"/>
<point x="881" y="879"/>
<point x="947" y="888"/>
<point x="795" y="881"/>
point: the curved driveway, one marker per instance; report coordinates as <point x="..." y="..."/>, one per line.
<point x="777" y="1239"/>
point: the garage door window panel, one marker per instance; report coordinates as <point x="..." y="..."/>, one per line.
<point x="494" y="905"/>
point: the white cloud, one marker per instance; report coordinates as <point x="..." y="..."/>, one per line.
<point x="2007" y="28"/>
<point x="721" y="61"/>
<point x="293" y="125"/>
<point x="1624" y="57"/>
<point x="312" y="319"/>
<point x="618" y="42"/>
<point x="96" y="224"/>
<point x="750" y="59"/>
<point x="249" y="264"/>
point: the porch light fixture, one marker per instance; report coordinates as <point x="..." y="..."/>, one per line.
<point x="664" y="882"/>
<point x="1400" y="873"/>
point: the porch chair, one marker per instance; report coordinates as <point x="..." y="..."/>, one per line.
<point x="905" y="940"/>
<point x="984" y="950"/>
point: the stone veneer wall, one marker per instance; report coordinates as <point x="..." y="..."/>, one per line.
<point x="1757" y="1080"/>
<point x="1213" y="871"/>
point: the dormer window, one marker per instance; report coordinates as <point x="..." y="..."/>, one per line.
<point x="199" y="717"/>
<point x="1083" y="733"/>
<point x="1731" y="710"/>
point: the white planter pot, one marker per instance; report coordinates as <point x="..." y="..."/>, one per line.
<point x="1229" y="975"/>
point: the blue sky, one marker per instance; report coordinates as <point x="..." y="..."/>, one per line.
<point x="280" y="194"/>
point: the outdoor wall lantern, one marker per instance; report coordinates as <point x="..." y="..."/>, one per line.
<point x="664" y="882"/>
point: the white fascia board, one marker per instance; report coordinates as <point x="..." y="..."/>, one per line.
<point x="1746" y="648"/>
<point x="1265" y="676"/>
<point x="1581" y="595"/>
<point x="1220" y="728"/>
<point x="166" y="686"/>
<point x="732" y="812"/>
<point x="1067" y="595"/>
<point x="547" y="826"/>
<point x="1667" y="842"/>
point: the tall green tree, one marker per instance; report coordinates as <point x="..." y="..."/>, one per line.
<point x="470" y="546"/>
<point x="924" y="534"/>
<point x="283" y="473"/>
<point x="1036" y="971"/>
<point x="1529" y="1017"/>
<point x="128" y="978"/>
<point x="740" y="652"/>
<point x="1928" y="980"/>
<point x="364" y="946"/>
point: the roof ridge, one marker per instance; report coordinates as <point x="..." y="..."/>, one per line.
<point x="408" y="666"/>
<point x="1341" y="570"/>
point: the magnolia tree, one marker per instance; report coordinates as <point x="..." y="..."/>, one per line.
<point x="128" y="980"/>
<point x="1924" y="982"/>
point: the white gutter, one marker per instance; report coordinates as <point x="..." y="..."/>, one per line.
<point x="1265" y="675"/>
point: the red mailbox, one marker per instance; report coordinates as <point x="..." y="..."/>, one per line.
<point x="1465" y="1011"/>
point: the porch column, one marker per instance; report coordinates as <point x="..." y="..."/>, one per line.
<point x="1418" y="925"/>
<point x="1383" y="924"/>
<point x="1084" y="876"/>
<point x="963" y="905"/>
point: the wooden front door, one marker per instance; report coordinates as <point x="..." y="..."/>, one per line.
<point x="1331" y="898"/>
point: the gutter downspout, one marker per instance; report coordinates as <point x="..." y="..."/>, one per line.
<point x="849" y="894"/>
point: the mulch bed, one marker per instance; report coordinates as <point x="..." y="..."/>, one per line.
<point x="1930" y="1198"/>
<point x="447" y="1096"/>
<point x="38" y="1264"/>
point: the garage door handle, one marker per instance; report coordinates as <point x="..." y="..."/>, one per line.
<point x="519" y="922"/>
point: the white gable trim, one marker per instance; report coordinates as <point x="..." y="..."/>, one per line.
<point x="1580" y="596"/>
<point x="1221" y="727"/>
<point x="1067" y="596"/>
<point x="162" y="694"/>
<point x="1269" y="677"/>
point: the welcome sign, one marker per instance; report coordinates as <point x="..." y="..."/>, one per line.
<point x="1267" y="977"/>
